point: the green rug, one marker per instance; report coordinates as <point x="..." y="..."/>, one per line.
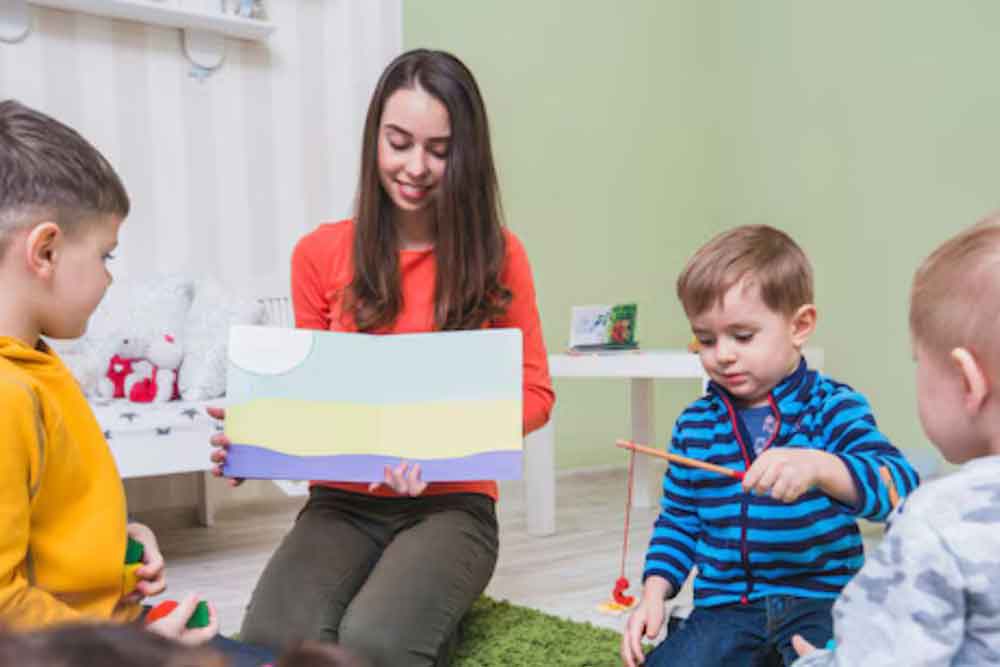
<point x="499" y="633"/>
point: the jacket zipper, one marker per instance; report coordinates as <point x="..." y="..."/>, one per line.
<point x="744" y="502"/>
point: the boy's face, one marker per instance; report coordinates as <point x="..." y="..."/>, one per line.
<point x="939" y="403"/>
<point x="748" y="348"/>
<point x="80" y="277"/>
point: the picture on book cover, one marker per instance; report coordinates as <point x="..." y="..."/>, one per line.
<point x="604" y="327"/>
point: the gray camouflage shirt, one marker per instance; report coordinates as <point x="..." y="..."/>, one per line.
<point x="930" y="594"/>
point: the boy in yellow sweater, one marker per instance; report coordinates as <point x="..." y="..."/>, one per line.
<point x="63" y="520"/>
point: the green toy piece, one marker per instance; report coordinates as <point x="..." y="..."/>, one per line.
<point x="199" y="618"/>
<point x="134" y="551"/>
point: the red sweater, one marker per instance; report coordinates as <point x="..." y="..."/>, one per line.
<point x="323" y="266"/>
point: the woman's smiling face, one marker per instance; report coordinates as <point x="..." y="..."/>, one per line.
<point x="414" y="140"/>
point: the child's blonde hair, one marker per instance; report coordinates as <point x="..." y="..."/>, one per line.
<point x="955" y="300"/>
<point x="764" y="255"/>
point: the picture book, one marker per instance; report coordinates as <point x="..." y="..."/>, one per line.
<point x="320" y="405"/>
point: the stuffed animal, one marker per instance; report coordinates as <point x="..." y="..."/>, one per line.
<point x="164" y="355"/>
<point x="120" y="375"/>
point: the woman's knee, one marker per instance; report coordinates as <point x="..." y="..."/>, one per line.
<point x="382" y="646"/>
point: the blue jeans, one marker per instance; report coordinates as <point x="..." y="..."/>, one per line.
<point x="758" y="634"/>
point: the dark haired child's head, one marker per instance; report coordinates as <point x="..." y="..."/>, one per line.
<point x="100" y="645"/>
<point x="61" y="204"/>
<point x="748" y="294"/>
<point x="954" y="318"/>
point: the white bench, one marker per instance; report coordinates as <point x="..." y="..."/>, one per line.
<point x="160" y="439"/>
<point x="153" y="439"/>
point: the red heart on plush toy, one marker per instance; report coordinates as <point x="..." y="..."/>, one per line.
<point x="143" y="391"/>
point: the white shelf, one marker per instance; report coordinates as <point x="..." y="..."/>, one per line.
<point x="204" y="31"/>
<point x="171" y="16"/>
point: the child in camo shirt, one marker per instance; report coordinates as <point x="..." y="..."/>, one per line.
<point x="930" y="595"/>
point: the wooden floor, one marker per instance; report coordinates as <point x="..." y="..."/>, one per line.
<point x="567" y="574"/>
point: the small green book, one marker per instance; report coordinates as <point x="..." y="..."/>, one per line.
<point x="596" y="328"/>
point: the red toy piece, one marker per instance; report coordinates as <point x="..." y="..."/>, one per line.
<point x="618" y="594"/>
<point x="199" y="617"/>
<point x="160" y="610"/>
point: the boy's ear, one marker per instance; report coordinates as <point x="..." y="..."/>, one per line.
<point x="803" y="323"/>
<point x="41" y="248"/>
<point x="975" y="382"/>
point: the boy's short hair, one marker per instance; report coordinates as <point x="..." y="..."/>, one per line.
<point x="955" y="299"/>
<point x="47" y="170"/>
<point x="766" y="256"/>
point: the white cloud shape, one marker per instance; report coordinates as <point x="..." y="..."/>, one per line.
<point x="269" y="350"/>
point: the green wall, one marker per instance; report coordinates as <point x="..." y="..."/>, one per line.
<point x="629" y="133"/>
<point x="870" y="131"/>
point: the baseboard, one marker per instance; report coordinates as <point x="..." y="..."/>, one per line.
<point x="591" y="471"/>
<point x="608" y="469"/>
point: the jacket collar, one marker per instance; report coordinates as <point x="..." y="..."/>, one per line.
<point x="789" y="398"/>
<point x="790" y="395"/>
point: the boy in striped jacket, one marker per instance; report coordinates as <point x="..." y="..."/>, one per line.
<point x="775" y="550"/>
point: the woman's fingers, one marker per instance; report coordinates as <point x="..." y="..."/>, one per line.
<point x="415" y="485"/>
<point x="402" y="479"/>
<point x="220" y="442"/>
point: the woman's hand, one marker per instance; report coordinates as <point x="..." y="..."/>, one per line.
<point x="173" y="625"/>
<point x="152" y="578"/>
<point x="402" y="479"/>
<point x="221" y="451"/>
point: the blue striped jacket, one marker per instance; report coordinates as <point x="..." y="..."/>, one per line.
<point x="749" y="546"/>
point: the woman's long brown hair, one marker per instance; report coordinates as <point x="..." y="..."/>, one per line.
<point x="469" y="242"/>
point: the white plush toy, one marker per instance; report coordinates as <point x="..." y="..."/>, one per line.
<point x="125" y="368"/>
<point x="164" y="356"/>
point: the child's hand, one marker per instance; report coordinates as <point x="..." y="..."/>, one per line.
<point x="402" y="481"/>
<point x="801" y="646"/>
<point x="785" y="474"/>
<point x="646" y="619"/>
<point x="173" y="625"/>
<point x="221" y="442"/>
<point x="152" y="575"/>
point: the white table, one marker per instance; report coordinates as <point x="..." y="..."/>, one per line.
<point x="640" y="368"/>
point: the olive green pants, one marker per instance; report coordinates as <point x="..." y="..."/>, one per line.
<point x="389" y="578"/>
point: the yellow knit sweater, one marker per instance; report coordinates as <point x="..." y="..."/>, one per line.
<point x="62" y="505"/>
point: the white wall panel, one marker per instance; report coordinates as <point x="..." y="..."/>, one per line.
<point x="225" y="173"/>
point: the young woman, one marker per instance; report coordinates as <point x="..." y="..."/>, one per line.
<point x="389" y="569"/>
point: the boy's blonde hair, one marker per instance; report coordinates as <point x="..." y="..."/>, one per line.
<point x="766" y="256"/>
<point x="955" y="300"/>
